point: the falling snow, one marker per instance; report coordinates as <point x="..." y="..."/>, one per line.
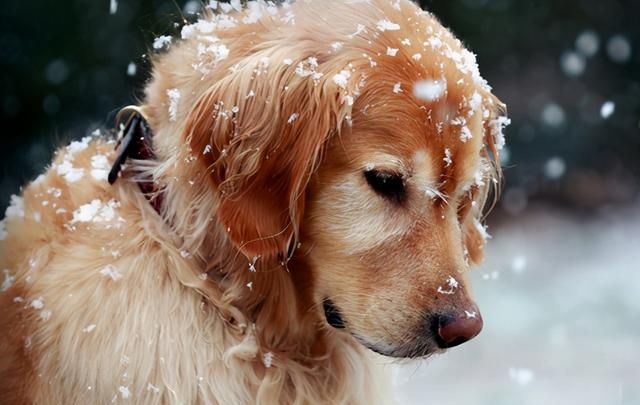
<point x="131" y="69"/>
<point x="554" y="168"/>
<point x="607" y="109"/>
<point x="573" y="64"/>
<point x="521" y="376"/>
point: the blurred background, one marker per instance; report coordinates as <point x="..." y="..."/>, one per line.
<point x="559" y="289"/>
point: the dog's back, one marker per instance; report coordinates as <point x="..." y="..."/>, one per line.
<point x="90" y="310"/>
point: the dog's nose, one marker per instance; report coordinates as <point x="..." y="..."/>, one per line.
<point x="453" y="330"/>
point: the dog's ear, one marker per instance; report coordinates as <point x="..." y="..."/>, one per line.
<point x="260" y="132"/>
<point x="474" y="208"/>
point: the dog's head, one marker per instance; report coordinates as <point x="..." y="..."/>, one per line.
<point x="360" y="143"/>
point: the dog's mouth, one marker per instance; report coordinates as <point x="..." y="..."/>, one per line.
<point x="414" y="349"/>
<point x="334" y="318"/>
<point x="420" y="348"/>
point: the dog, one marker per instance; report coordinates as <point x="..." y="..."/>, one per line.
<point x="302" y="186"/>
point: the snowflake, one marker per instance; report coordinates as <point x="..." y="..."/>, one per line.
<point x="386" y="25"/>
<point x="45" y="315"/>
<point x="392" y="51"/>
<point x="174" y="98"/>
<point x="252" y="265"/>
<point x="71" y="174"/>
<point x="8" y="281"/>
<point x="465" y="134"/>
<point x="89" y="328"/>
<point x="497" y="130"/>
<point x="429" y="90"/>
<point x="521" y="376"/>
<point x="359" y="30"/>
<point x="342" y="78"/>
<point x="267" y="359"/>
<point x="37" y="303"/>
<point x="162" y="41"/>
<point x="475" y="102"/>
<point x="292" y="118"/>
<point x="15" y="208"/>
<point x="482" y="230"/>
<point x="111" y="271"/>
<point x="124" y="392"/>
<point x="100" y="167"/>
<point x="447" y="157"/>
<point x="95" y="211"/>
<point x="453" y="285"/>
<point x="607" y="109"/>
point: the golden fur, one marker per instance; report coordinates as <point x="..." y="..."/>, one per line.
<point x="260" y="168"/>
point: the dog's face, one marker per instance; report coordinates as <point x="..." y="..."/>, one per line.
<point x="390" y="228"/>
<point x="375" y="150"/>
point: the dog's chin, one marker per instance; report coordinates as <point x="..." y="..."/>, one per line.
<point x="417" y="348"/>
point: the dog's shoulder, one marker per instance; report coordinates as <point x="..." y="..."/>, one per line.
<point x="51" y="205"/>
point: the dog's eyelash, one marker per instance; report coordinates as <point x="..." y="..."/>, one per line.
<point x="389" y="185"/>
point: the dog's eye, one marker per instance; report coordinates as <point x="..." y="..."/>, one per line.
<point x="388" y="184"/>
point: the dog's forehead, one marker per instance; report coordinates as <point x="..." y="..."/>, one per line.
<point x="427" y="140"/>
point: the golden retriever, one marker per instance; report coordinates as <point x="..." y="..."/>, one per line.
<point x="306" y="183"/>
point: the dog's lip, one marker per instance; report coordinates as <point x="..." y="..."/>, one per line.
<point x="417" y="351"/>
<point x="413" y="351"/>
<point x="332" y="314"/>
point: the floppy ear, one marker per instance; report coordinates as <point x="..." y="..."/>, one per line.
<point x="261" y="136"/>
<point x="470" y="215"/>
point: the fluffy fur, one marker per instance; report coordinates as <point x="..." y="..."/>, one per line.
<point x="260" y="155"/>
